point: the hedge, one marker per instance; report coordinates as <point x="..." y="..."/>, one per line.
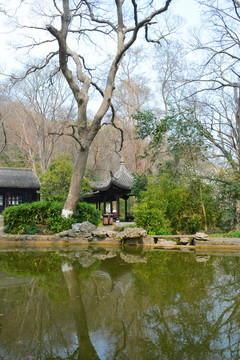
<point x="43" y="216"/>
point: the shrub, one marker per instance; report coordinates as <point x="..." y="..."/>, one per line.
<point x="159" y="232"/>
<point x="18" y="218"/>
<point x="57" y="223"/>
<point x="25" y="218"/>
<point x="86" y="212"/>
<point x="56" y="180"/>
<point x="139" y="185"/>
<point x="171" y="206"/>
<point x="151" y="218"/>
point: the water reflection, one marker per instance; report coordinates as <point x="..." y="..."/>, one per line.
<point x="97" y="303"/>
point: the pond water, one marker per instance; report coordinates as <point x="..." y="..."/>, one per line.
<point x="111" y="303"/>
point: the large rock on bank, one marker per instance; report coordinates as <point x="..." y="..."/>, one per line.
<point x="133" y="235"/>
<point x="82" y="230"/>
<point x="201" y="237"/>
<point x="102" y="233"/>
<point x="87" y="232"/>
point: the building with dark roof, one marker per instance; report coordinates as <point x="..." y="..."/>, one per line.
<point x="117" y="186"/>
<point x="17" y="186"/>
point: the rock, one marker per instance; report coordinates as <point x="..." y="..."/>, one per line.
<point x="103" y="233"/>
<point x="133" y="235"/>
<point x="201" y="237"/>
<point x="202" y="258"/>
<point x="149" y="241"/>
<point x="68" y="233"/>
<point x="86" y="259"/>
<point x="84" y="229"/>
<point x="184" y="241"/>
<point x="76" y="227"/>
<point x="131" y="259"/>
<point x="163" y="242"/>
<point x="130" y="233"/>
<point x="109" y="255"/>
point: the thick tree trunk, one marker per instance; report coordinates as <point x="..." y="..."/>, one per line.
<point x="86" y="349"/>
<point x="81" y="83"/>
<point x="76" y="183"/>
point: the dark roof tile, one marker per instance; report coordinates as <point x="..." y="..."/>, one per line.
<point x="18" y="178"/>
<point x="121" y="178"/>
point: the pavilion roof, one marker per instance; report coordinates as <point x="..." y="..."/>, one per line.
<point x="121" y="178"/>
<point x="18" y="178"/>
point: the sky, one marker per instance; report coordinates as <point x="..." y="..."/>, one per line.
<point x="187" y="9"/>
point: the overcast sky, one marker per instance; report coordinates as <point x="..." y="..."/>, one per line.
<point x="187" y="9"/>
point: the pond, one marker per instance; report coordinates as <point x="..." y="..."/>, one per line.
<point x="111" y="303"/>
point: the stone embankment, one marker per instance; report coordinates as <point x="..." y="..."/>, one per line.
<point x="86" y="233"/>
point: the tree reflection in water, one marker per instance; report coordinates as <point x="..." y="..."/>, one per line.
<point x="105" y="304"/>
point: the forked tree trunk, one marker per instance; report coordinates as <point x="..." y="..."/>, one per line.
<point x="80" y="84"/>
<point x="85" y="349"/>
<point x="76" y="183"/>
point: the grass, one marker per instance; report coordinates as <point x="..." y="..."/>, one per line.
<point x="229" y="234"/>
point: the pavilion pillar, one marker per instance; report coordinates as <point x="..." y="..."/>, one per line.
<point x="98" y="205"/>
<point x="111" y="206"/>
<point x="118" y="207"/>
<point x="104" y="207"/>
<point x="126" y="209"/>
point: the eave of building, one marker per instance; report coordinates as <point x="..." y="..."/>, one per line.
<point x="121" y="178"/>
<point x="18" y="178"/>
<point x="119" y="183"/>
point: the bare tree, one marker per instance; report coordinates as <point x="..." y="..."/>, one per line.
<point x="3" y="116"/>
<point x="117" y="25"/>
<point x="171" y="69"/>
<point x="131" y="94"/>
<point x="104" y="154"/>
<point x="217" y="85"/>
<point x="43" y="111"/>
<point x="4" y="135"/>
<point x="219" y="77"/>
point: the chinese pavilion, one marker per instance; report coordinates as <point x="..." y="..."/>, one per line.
<point x="117" y="186"/>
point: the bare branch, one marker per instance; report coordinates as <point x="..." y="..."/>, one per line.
<point x="97" y="20"/>
<point x="4" y="134"/>
<point x="34" y="68"/>
<point x="84" y="19"/>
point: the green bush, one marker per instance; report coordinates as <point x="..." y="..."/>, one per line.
<point x="56" y="180"/>
<point x="57" y="223"/>
<point x="151" y="218"/>
<point x="193" y="223"/>
<point x="161" y="231"/>
<point x="26" y="218"/>
<point x="86" y="212"/>
<point x="172" y="205"/>
<point x="20" y="217"/>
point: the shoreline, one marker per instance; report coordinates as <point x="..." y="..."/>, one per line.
<point x="56" y="240"/>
